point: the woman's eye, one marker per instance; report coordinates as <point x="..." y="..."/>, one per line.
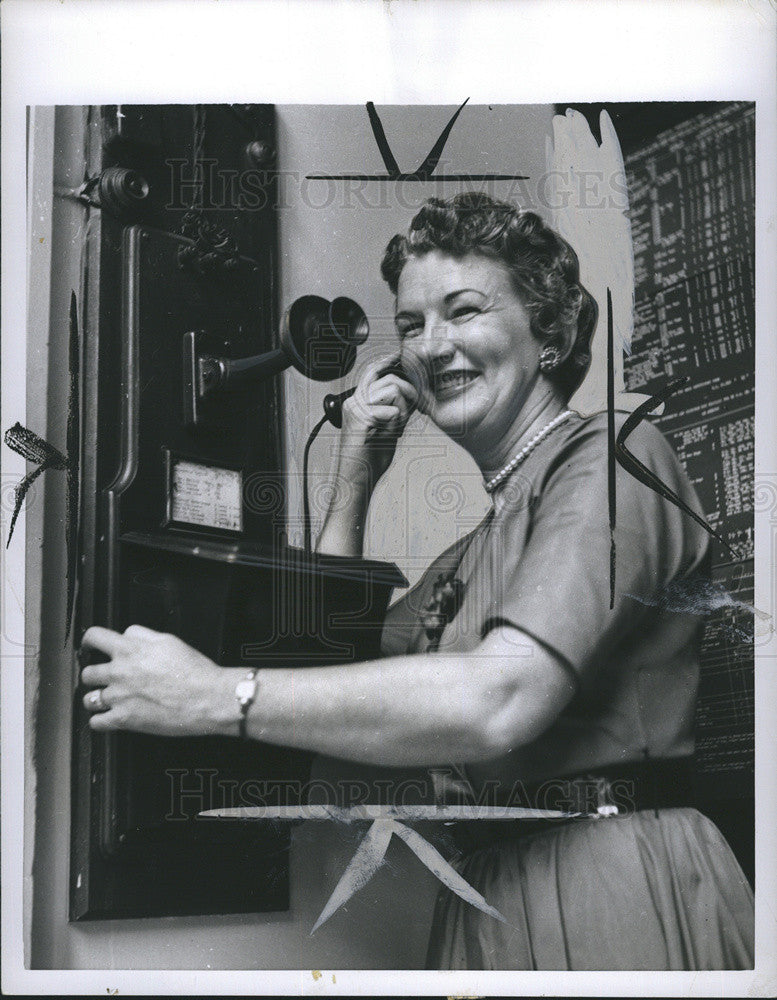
<point x="409" y="330"/>
<point x="464" y="312"/>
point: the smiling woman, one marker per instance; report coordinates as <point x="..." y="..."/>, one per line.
<point x="462" y="322"/>
<point x="542" y="267"/>
<point x="506" y="664"/>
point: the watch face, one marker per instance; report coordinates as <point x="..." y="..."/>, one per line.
<point x="245" y="690"/>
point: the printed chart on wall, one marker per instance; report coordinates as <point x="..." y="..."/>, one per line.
<point x="692" y="203"/>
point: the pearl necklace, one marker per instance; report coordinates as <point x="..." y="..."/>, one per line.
<point x="527" y="449"/>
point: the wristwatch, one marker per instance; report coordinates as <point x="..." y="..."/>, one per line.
<point x="245" y="692"/>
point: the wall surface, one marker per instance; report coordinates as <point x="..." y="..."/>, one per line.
<point x="47" y="389"/>
<point x="333" y="234"/>
<point x="40" y="133"/>
<point x="332" y="239"/>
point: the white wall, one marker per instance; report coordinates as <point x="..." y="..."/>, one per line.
<point x="60" y="136"/>
<point x="333" y="235"/>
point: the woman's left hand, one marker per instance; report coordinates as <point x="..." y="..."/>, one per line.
<point x="154" y="683"/>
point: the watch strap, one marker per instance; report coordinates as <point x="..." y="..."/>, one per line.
<point x="245" y="693"/>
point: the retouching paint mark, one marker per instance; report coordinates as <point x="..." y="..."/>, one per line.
<point x="611" y="490"/>
<point x="425" y="171"/>
<point x="371" y="855"/>
<point x="640" y="472"/>
<point x="380" y="138"/>
<point x="34" y="449"/>
<point x="73" y="464"/>
<point x="362" y="866"/>
<point x="617" y="451"/>
<point x="699" y="595"/>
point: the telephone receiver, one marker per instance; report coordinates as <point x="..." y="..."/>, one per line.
<point x="317" y="337"/>
<point x="333" y="402"/>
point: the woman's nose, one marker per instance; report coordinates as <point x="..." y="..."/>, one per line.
<point x="435" y="345"/>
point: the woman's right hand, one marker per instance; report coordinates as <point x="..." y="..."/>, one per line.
<point x="374" y="418"/>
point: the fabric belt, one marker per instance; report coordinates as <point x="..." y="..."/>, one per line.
<point x="603" y="792"/>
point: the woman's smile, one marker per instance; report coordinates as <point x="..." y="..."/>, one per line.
<point x="451" y="382"/>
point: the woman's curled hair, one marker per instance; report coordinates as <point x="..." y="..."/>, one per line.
<point x="543" y="266"/>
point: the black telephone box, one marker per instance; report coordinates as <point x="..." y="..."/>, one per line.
<point x="184" y="534"/>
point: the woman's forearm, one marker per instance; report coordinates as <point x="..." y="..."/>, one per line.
<point x="420" y="709"/>
<point x="343" y="530"/>
<point x="399" y="711"/>
<point x="372" y="424"/>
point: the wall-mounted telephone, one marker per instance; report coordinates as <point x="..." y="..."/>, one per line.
<point x="319" y="338"/>
<point x="185" y="533"/>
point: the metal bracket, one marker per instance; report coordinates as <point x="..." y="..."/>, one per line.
<point x="192" y="378"/>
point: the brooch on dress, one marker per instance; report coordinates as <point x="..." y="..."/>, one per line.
<point x="447" y="595"/>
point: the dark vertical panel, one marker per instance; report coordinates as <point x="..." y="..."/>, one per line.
<point x="693" y="214"/>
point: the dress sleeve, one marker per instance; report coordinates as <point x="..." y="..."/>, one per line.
<point x="558" y="591"/>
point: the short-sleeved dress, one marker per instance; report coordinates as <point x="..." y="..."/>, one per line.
<point x="654" y="888"/>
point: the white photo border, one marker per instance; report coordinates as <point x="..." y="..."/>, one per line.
<point x="391" y="52"/>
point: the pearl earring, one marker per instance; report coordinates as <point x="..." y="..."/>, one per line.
<point x="550" y="359"/>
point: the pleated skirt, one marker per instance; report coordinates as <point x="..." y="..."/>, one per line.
<point x="645" y="891"/>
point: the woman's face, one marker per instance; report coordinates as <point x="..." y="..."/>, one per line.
<point x="462" y="322"/>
